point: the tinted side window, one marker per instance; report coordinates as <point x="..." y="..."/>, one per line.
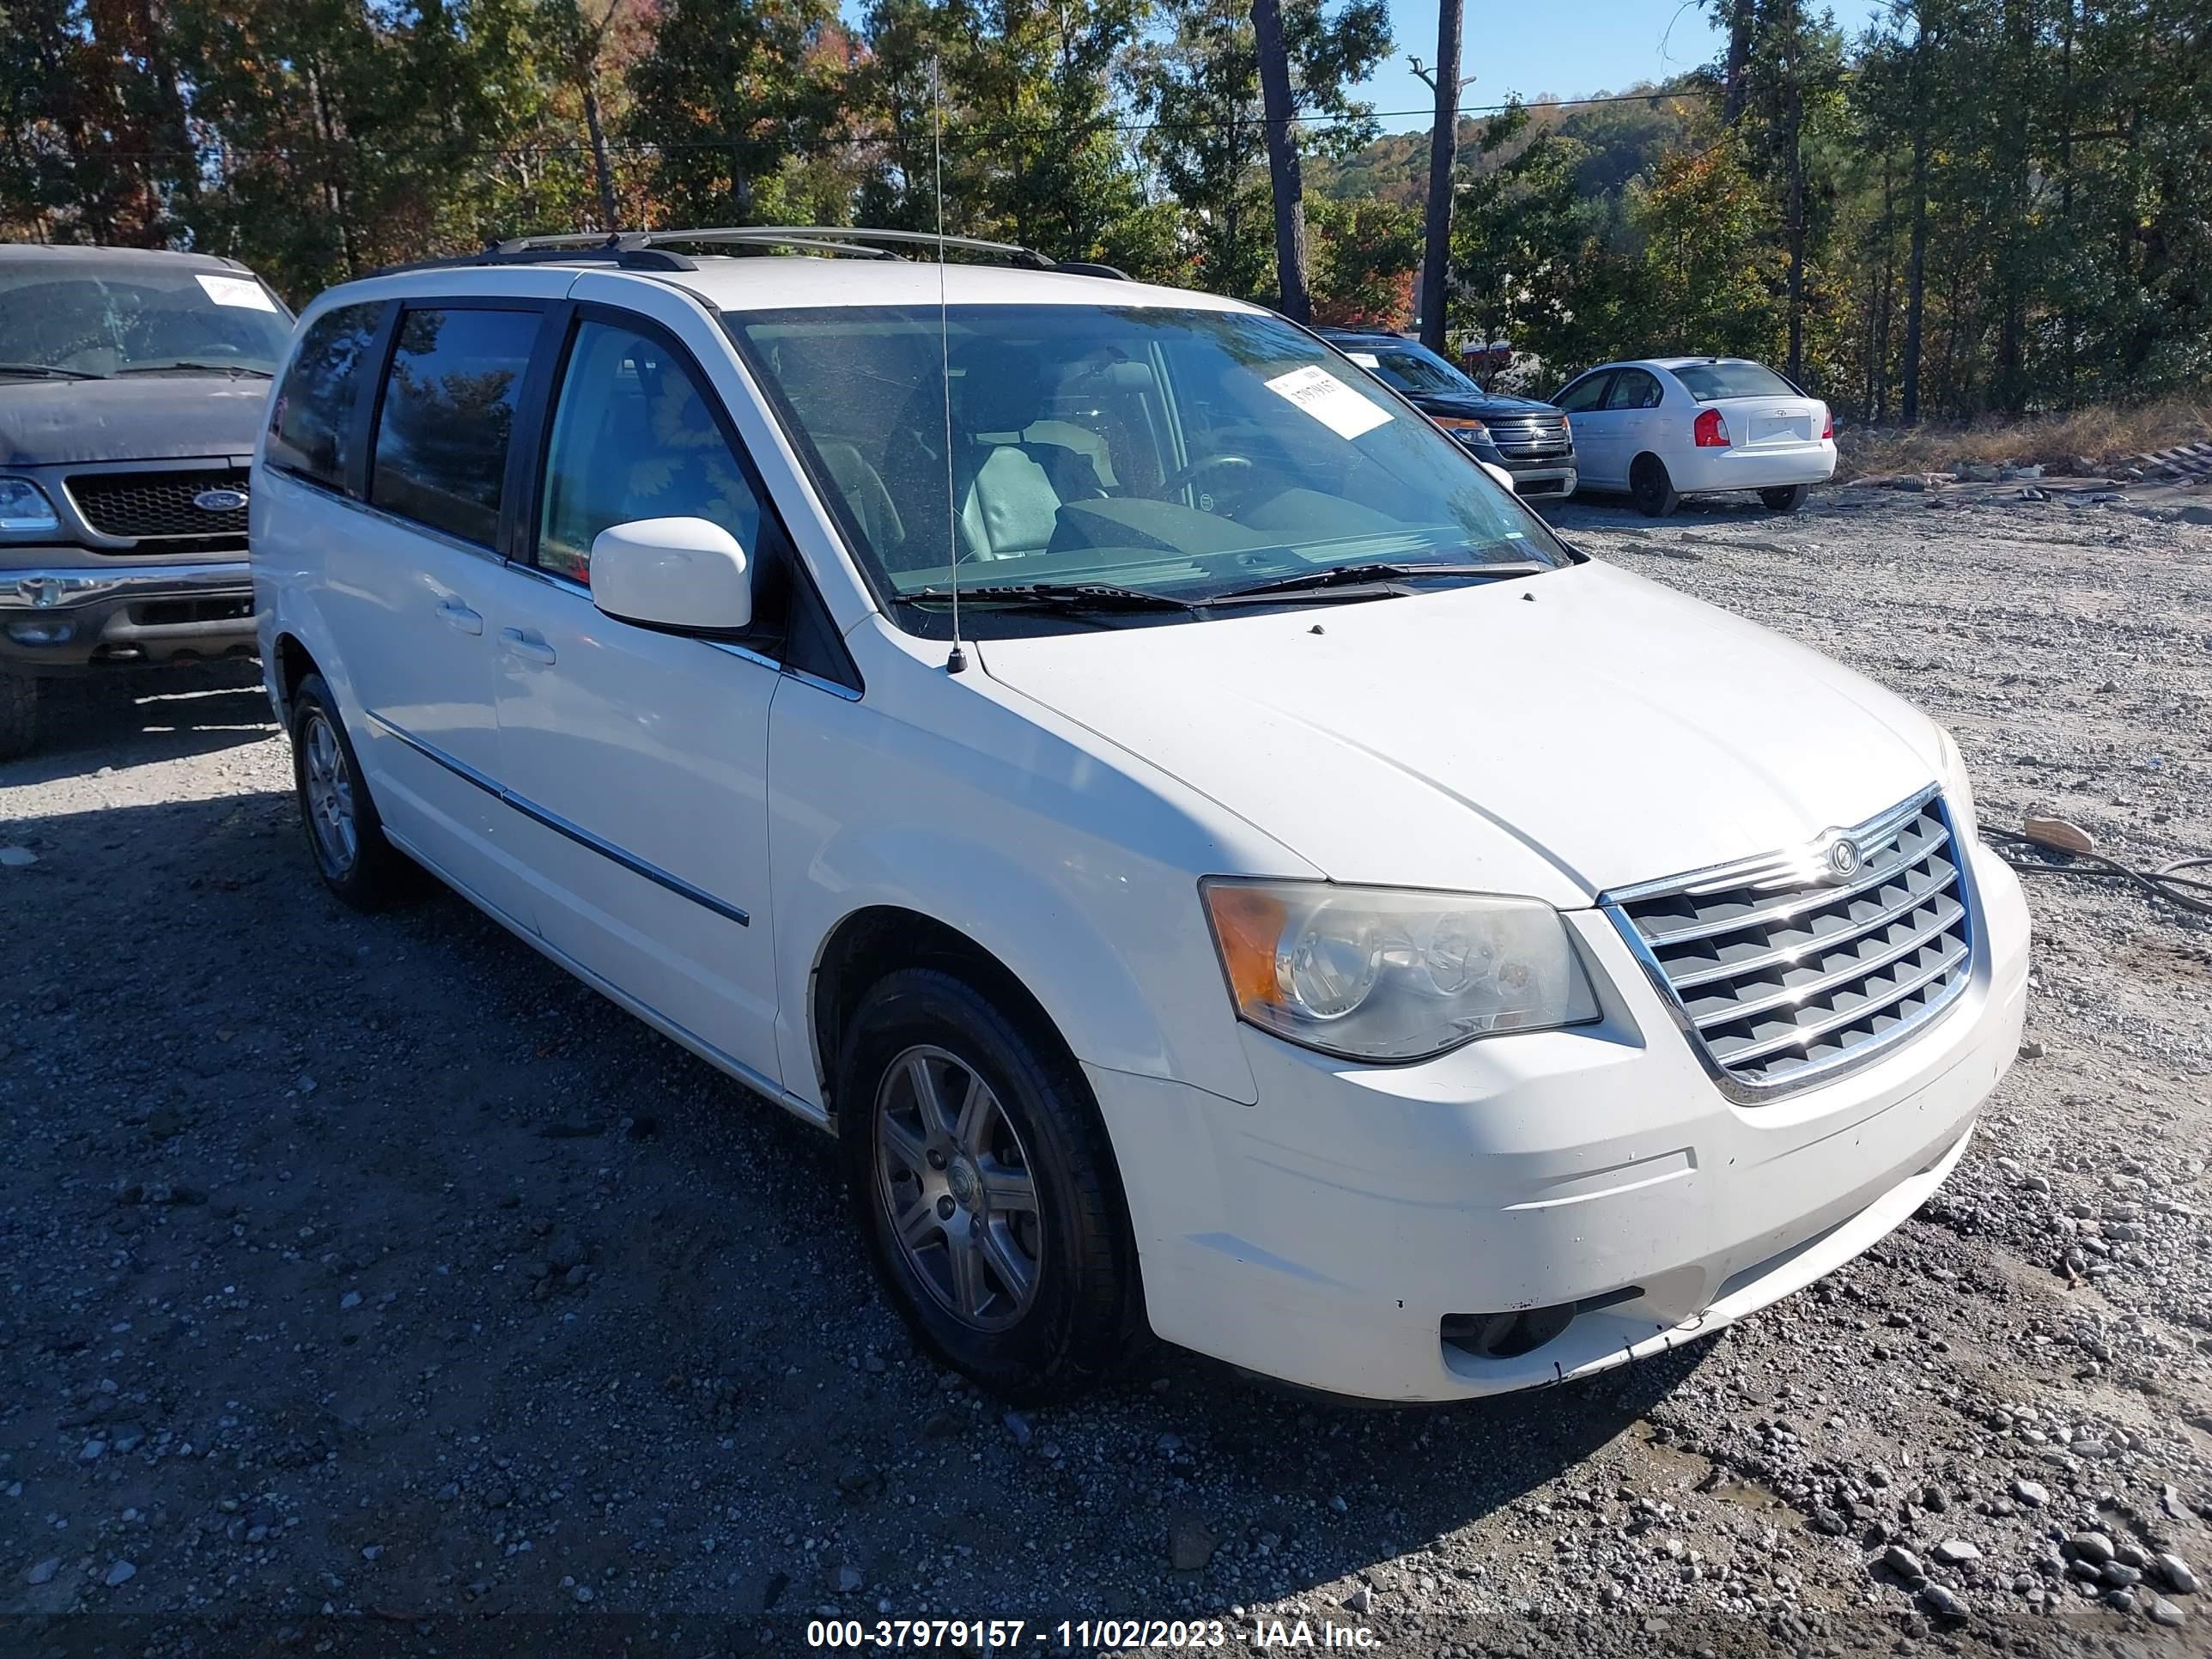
<point x="635" y="438"/>
<point x="1633" y="389"/>
<point x="1583" y="394"/>
<point x="311" y="422"/>
<point x="448" y="411"/>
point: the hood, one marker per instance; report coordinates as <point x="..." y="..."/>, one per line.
<point x="142" y="417"/>
<point x="1477" y="405"/>
<point x="1557" y="735"/>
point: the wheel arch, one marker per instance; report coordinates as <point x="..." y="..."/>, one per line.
<point x="878" y="940"/>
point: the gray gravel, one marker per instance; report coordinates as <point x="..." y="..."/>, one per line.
<point x="413" y="1295"/>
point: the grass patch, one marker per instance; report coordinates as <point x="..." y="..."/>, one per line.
<point x="2084" y="443"/>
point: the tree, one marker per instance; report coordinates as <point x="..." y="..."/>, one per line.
<point x="1199" y="82"/>
<point x="1447" y="84"/>
<point x="736" y="96"/>
<point x="1285" y="183"/>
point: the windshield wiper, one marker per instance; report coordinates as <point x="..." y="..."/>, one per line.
<point x="1348" y="575"/>
<point x="48" y="372"/>
<point x="185" y="363"/>
<point x="1062" y="596"/>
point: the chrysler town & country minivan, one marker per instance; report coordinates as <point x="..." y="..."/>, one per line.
<point x="1221" y="868"/>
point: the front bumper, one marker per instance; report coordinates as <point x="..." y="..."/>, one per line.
<point x="60" y="619"/>
<point x="1324" y="1234"/>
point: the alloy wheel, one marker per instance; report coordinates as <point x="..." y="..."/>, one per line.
<point x="957" y="1187"/>
<point x="327" y="784"/>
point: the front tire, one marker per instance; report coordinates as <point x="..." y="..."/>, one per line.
<point x="1786" y="498"/>
<point x="981" y="1176"/>
<point x="1653" y="490"/>
<point x="345" y="837"/>
<point x="19" y="714"/>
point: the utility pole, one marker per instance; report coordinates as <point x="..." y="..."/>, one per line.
<point x="1283" y="172"/>
<point x="1446" y="83"/>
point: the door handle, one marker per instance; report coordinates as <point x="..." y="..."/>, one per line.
<point x="458" y="615"/>
<point x="531" y="646"/>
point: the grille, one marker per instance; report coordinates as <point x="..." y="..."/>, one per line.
<point x="1530" y="437"/>
<point x="1782" y="968"/>
<point x="132" y="505"/>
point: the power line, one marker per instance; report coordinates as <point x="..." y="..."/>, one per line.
<point x="986" y="130"/>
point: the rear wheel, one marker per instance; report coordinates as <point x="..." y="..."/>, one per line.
<point x="983" y="1179"/>
<point x="19" y="714"/>
<point x="344" y="833"/>
<point x="1653" y="490"/>
<point x="1787" y="498"/>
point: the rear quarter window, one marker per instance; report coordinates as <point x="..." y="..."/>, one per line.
<point x="311" y="422"/>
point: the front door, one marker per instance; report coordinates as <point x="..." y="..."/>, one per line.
<point x="1595" y="439"/>
<point x="636" y="760"/>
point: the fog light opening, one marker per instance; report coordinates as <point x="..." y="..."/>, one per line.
<point x="1506" y="1335"/>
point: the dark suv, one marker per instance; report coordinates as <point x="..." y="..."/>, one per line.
<point x="1529" y="439"/>
<point x="131" y="389"/>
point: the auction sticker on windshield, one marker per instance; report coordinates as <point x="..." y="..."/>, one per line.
<point x="240" y="291"/>
<point x="1329" y="400"/>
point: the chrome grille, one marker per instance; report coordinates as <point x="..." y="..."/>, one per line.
<point x="1529" y="437"/>
<point x="135" y="505"/>
<point x="1783" y="968"/>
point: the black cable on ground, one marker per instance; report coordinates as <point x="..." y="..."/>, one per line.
<point x="2166" y="882"/>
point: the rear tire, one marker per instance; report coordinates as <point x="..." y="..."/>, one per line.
<point x="19" y="714"/>
<point x="345" y="837"/>
<point x="1786" y="498"/>
<point x="982" y="1179"/>
<point x="1654" y="491"/>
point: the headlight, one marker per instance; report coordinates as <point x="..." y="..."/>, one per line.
<point x="1388" y="973"/>
<point x="25" y="511"/>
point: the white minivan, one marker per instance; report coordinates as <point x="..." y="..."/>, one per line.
<point x="1219" y="864"/>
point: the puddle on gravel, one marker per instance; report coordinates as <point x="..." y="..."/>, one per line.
<point x="1690" y="1473"/>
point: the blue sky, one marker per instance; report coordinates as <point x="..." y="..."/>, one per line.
<point x="1569" y="47"/>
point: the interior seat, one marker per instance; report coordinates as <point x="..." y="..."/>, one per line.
<point x="1012" y="486"/>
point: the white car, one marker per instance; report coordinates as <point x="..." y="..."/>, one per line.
<point x="1301" y="908"/>
<point x="1664" y="427"/>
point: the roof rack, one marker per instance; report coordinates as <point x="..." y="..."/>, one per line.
<point x="651" y="250"/>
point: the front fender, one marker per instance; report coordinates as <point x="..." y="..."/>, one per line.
<point x="1077" y="875"/>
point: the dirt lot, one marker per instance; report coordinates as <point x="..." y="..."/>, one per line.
<point x="372" y="1286"/>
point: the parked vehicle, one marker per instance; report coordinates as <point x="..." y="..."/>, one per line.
<point x="1531" y="441"/>
<point x="1665" y="427"/>
<point x="1298" y="905"/>
<point x="131" y="386"/>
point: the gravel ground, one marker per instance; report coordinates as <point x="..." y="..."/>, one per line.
<point x="372" y="1286"/>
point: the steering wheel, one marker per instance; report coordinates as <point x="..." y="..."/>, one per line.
<point x="1170" y="485"/>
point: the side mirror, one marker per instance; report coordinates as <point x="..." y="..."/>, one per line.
<point x="1505" y="481"/>
<point x="672" y="573"/>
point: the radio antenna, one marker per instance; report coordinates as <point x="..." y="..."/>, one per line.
<point x="957" y="662"/>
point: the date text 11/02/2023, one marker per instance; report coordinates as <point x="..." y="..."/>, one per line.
<point x="1080" y="1635"/>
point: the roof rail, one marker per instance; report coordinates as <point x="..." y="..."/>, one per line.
<point x="651" y="250"/>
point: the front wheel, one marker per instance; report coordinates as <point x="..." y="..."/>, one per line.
<point x="1786" y="498"/>
<point x="1654" y="491"/>
<point x="981" y="1176"/>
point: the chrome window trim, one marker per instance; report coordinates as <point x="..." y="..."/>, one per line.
<point x="1612" y="903"/>
<point x="561" y="826"/>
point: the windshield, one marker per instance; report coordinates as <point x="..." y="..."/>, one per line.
<point x="1180" y="455"/>
<point x="1710" y="382"/>
<point x="102" y="317"/>
<point x="1411" y="368"/>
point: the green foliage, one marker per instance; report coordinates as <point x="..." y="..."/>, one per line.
<point x="1978" y="205"/>
<point x="1198" y="82"/>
